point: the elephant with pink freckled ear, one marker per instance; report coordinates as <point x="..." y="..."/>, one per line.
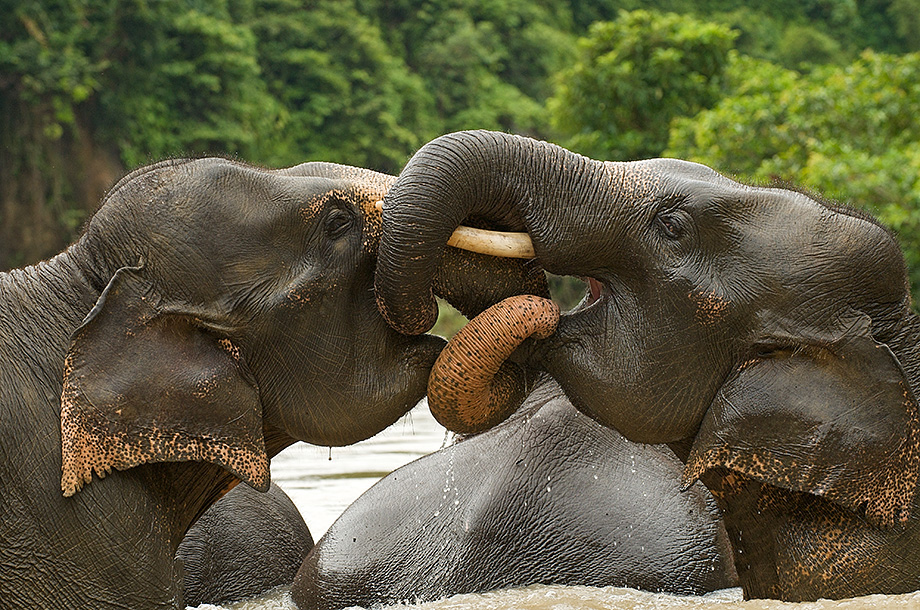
<point x="211" y="314"/>
<point x="766" y="335"/>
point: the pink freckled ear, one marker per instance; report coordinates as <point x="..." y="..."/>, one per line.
<point x="834" y="418"/>
<point x="142" y="386"/>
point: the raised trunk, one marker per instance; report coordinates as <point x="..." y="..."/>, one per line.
<point x="476" y="177"/>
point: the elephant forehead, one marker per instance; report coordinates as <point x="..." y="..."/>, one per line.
<point x="851" y="255"/>
<point x="313" y="206"/>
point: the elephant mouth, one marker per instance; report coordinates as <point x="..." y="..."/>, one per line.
<point x="515" y="245"/>
<point x="596" y="292"/>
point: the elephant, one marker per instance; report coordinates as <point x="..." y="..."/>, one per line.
<point x="245" y="544"/>
<point x="211" y="314"/>
<point x="764" y="333"/>
<point x="518" y="505"/>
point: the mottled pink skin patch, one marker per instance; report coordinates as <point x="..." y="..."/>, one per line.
<point x="711" y="307"/>
<point x="471" y="388"/>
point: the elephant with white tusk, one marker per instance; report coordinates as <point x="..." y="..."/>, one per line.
<point x="764" y="334"/>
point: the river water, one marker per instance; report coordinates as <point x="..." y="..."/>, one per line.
<point x="322" y="487"/>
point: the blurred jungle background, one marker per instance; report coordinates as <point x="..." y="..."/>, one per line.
<point x="820" y="93"/>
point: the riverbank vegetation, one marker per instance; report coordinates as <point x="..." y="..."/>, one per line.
<point x="821" y="93"/>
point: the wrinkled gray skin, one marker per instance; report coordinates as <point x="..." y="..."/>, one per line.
<point x="247" y="543"/>
<point x="238" y="316"/>
<point x="764" y="334"/>
<point x="548" y="496"/>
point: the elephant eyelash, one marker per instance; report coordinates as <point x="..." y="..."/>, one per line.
<point x="338" y="223"/>
<point x="669" y="225"/>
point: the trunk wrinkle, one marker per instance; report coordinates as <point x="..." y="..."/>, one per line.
<point x="472" y="388"/>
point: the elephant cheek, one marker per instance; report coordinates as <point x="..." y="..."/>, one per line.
<point x="605" y="375"/>
<point x="472" y="387"/>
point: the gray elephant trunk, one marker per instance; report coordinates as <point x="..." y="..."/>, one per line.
<point x="495" y="177"/>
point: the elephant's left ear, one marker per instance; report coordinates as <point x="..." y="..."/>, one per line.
<point x="833" y="417"/>
<point x="142" y="385"/>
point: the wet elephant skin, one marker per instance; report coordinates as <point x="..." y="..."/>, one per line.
<point x="762" y="332"/>
<point x="211" y="314"/>
<point x="245" y="544"/>
<point x="548" y="497"/>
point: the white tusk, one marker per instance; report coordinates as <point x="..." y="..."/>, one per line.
<point x="492" y="243"/>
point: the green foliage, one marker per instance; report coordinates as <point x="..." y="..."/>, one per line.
<point x="46" y="58"/>
<point x="449" y="320"/>
<point x="906" y="17"/>
<point x="91" y="88"/>
<point x="187" y="82"/>
<point x="486" y="62"/>
<point x="849" y="132"/>
<point x="632" y="76"/>
<point x="802" y="46"/>
<point x="345" y="97"/>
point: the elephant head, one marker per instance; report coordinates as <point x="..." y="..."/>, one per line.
<point x="237" y="315"/>
<point x="769" y="331"/>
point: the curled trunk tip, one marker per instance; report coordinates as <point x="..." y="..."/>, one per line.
<point x="472" y="388"/>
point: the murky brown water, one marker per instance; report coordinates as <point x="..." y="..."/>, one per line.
<point x="322" y="488"/>
<point x="608" y="598"/>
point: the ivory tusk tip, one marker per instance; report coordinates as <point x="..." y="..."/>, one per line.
<point x="379" y="205"/>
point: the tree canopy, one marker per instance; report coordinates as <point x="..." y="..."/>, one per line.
<point x="633" y="76"/>
<point x="818" y="92"/>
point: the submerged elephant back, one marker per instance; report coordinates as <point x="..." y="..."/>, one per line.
<point x="522" y="504"/>
<point x="247" y="543"/>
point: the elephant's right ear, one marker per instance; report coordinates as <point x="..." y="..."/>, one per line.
<point x="834" y="418"/>
<point x="146" y="383"/>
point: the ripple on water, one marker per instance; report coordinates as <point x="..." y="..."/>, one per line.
<point x="541" y="597"/>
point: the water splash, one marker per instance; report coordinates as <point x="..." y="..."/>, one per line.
<point x="540" y="597"/>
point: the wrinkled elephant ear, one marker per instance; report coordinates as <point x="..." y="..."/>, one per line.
<point x="834" y="417"/>
<point x="142" y="385"/>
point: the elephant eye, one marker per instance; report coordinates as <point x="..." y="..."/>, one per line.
<point x="338" y="222"/>
<point x="774" y="351"/>
<point x="669" y="225"/>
